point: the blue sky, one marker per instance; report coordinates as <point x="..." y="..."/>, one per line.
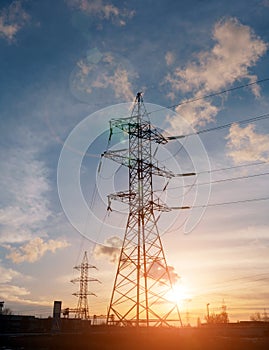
<point x="61" y="63"/>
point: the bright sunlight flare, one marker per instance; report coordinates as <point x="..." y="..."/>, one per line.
<point x="179" y="294"/>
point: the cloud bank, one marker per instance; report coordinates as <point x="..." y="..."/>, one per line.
<point x="237" y="48"/>
<point x="24" y="186"/>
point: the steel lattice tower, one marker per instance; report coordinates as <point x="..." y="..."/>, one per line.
<point x="82" y="310"/>
<point x="139" y="295"/>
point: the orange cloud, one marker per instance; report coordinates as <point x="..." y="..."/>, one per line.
<point x="34" y="250"/>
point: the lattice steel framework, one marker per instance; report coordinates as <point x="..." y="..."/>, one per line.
<point x="143" y="281"/>
<point x="82" y="310"/>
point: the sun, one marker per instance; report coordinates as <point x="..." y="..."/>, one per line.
<point x="178" y="294"/>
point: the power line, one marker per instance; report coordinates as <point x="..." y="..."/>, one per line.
<point x="232" y="202"/>
<point x="233" y="179"/>
<point x="232" y="167"/>
<point x="244" y="121"/>
<point x="227" y="286"/>
<point x="218" y="204"/>
<point x="217" y="181"/>
<point x="228" y="168"/>
<point x="210" y="205"/>
<point x="244" y="277"/>
<point x="211" y="95"/>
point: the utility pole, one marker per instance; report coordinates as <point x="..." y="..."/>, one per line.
<point x="82" y="310"/>
<point x="187" y="312"/>
<point x="139" y="296"/>
<point x="207" y="309"/>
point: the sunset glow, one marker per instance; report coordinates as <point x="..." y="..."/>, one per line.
<point x="68" y="68"/>
<point x="179" y="294"/>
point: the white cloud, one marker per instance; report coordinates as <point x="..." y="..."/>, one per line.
<point x="12" y="287"/>
<point x="108" y="73"/>
<point x="24" y="186"/>
<point x="34" y="250"/>
<point x="103" y="10"/>
<point x="12" y="19"/>
<point x="198" y="113"/>
<point x="246" y="145"/>
<point x="119" y="82"/>
<point x="169" y="58"/>
<point x="12" y="293"/>
<point x="9" y="291"/>
<point x="236" y="50"/>
<point x="110" y="249"/>
<point x="7" y="274"/>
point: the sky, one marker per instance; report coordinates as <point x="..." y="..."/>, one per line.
<point x="67" y="68"/>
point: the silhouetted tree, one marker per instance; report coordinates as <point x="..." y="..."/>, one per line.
<point x="258" y="317"/>
<point x="217" y="318"/>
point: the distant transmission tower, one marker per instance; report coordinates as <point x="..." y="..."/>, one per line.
<point x="143" y="282"/>
<point x="82" y="310"/>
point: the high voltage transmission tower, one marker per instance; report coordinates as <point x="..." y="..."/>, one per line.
<point x="140" y="295"/>
<point x="82" y="310"/>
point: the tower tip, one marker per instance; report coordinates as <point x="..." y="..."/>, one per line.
<point x="139" y="97"/>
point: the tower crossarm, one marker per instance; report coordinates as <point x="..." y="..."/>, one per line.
<point x="79" y="294"/>
<point x="185" y="174"/>
<point x="124" y="197"/>
<point x="159" y="206"/>
<point x="84" y="266"/>
<point x="161" y="171"/>
<point x="78" y="279"/>
<point x="120" y="157"/>
<point x="123" y="159"/>
<point x="130" y="126"/>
